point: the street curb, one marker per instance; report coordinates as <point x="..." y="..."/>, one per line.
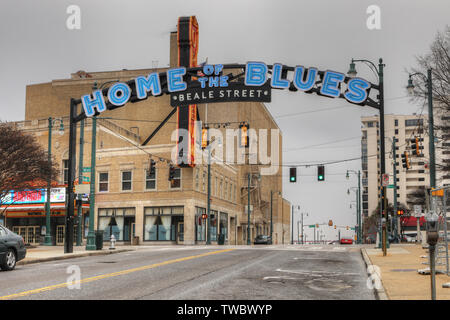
<point x="380" y="294"/>
<point x="76" y="255"/>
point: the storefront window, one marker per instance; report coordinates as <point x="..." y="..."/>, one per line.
<point x="200" y="224"/>
<point x="116" y="221"/>
<point x="214" y="221"/>
<point x="160" y="223"/>
<point x="224" y="224"/>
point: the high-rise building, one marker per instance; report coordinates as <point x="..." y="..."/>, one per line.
<point x="410" y="182"/>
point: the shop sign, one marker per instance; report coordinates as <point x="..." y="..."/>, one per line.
<point x="34" y="196"/>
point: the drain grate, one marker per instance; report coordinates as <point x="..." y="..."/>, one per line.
<point x="106" y="261"/>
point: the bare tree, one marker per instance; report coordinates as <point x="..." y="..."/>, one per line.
<point x="24" y="163"/>
<point x="438" y="59"/>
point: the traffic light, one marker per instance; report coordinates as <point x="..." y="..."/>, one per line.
<point x="292" y="174"/>
<point x="321" y="173"/>
<point x="347" y="227"/>
<point x="204" y="216"/>
<point x="335" y="226"/>
<point x="317" y="225"/>
<point x="330" y="223"/>
<point x="400" y="212"/>
<point x="244" y="134"/>
<point x="405" y="160"/>
<point x="151" y="169"/>
<point x="205" y="137"/>
<point x="415" y="146"/>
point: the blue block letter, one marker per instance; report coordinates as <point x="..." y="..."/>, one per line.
<point x="255" y="73"/>
<point x="331" y="83"/>
<point x="119" y="94"/>
<point x="175" y="79"/>
<point x="299" y="76"/>
<point x="276" y="81"/>
<point x="147" y="84"/>
<point x="357" y="90"/>
<point x="97" y="102"/>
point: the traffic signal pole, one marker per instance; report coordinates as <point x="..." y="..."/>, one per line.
<point x="394" y="164"/>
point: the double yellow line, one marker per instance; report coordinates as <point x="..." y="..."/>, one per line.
<point x="109" y="275"/>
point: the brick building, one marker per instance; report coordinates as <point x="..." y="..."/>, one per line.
<point x="132" y="202"/>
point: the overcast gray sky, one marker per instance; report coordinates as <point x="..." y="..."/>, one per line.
<point x="36" y="46"/>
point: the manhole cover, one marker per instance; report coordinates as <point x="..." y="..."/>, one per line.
<point x="403" y="270"/>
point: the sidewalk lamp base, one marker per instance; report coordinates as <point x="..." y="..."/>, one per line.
<point x="48" y="241"/>
<point x="90" y="244"/>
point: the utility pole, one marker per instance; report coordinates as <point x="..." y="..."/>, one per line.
<point x="359" y="219"/>
<point x="292" y="226"/>
<point x="80" y="180"/>
<point x="394" y="164"/>
<point x="90" y="244"/>
<point x="431" y="130"/>
<point x="48" y="237"/>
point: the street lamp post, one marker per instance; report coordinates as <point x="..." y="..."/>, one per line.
<point x="429" y="83"/>
<point x="358" y="204"/>
<point x="380" y="106"/>
<point x="271" y="213"/>
<point x="90" y="243"/>
<point x="48" y="238"/>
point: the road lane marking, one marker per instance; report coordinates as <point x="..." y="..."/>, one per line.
<point x="109" y="275"/>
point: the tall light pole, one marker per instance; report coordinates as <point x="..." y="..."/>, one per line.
<point x="271" y="212"/>
<point x="380" y="106"/>
<point x="48" y="237"/>
<point x="358" y="212"/>
<point x="292" y="223"/>
<point x="429" y="84"/>
<point x="90" y="243"/>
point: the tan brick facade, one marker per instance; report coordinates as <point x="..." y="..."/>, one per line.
<point x="120" y="134"/>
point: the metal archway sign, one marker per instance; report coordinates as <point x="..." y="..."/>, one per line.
<point x="189" y="85"/>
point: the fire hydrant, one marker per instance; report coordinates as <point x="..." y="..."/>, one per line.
<point x="112" y="242"/>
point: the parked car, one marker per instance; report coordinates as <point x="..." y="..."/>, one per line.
<point x="263" y="239"/>
<point x="12" y="249"/>
<point x="346" y="241"/>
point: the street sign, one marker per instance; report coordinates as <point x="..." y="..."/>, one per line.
<point x="391" y="186"/>
<point x="385" y="179"/>
<point x="312" y="225"/>
<point x="86" y="179"/>
<point x="86" y="169"/>
<point x="82" y="188"/>
<point x="418" y="210"/>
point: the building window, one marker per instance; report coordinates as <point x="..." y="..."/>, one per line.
<point x="396" y="131"/>
<point x="160" y="223"/>
<point x="213" y="220"/>
<point x="221" y="188"/>
<point x="150" y="180"/>
<point x="196" y="179"/>
<point x="66" y="171"/>
<point x="421" y="179"/>
<point x="226" y="190"/>
<point x="215" y="187"/>
<point x="116" y="221"/>
<point x="103" y="182"/>
<point x="396" y="122"/>
<point x="200" y="224"/>
<point x="176" y="182"/>
<point x="230" y="197"/>
<point x="203" y="181"/>
<point x="370" y="124"/>
<point x="224" y="224"/>
<point x="126" y="180"/>
<point x="413" y="122"/>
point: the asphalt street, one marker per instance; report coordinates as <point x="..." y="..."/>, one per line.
<point x="247" y="273"/>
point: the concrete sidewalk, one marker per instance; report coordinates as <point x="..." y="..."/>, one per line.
<point x="399" y="275"/>
<point x="52" y="253"/>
